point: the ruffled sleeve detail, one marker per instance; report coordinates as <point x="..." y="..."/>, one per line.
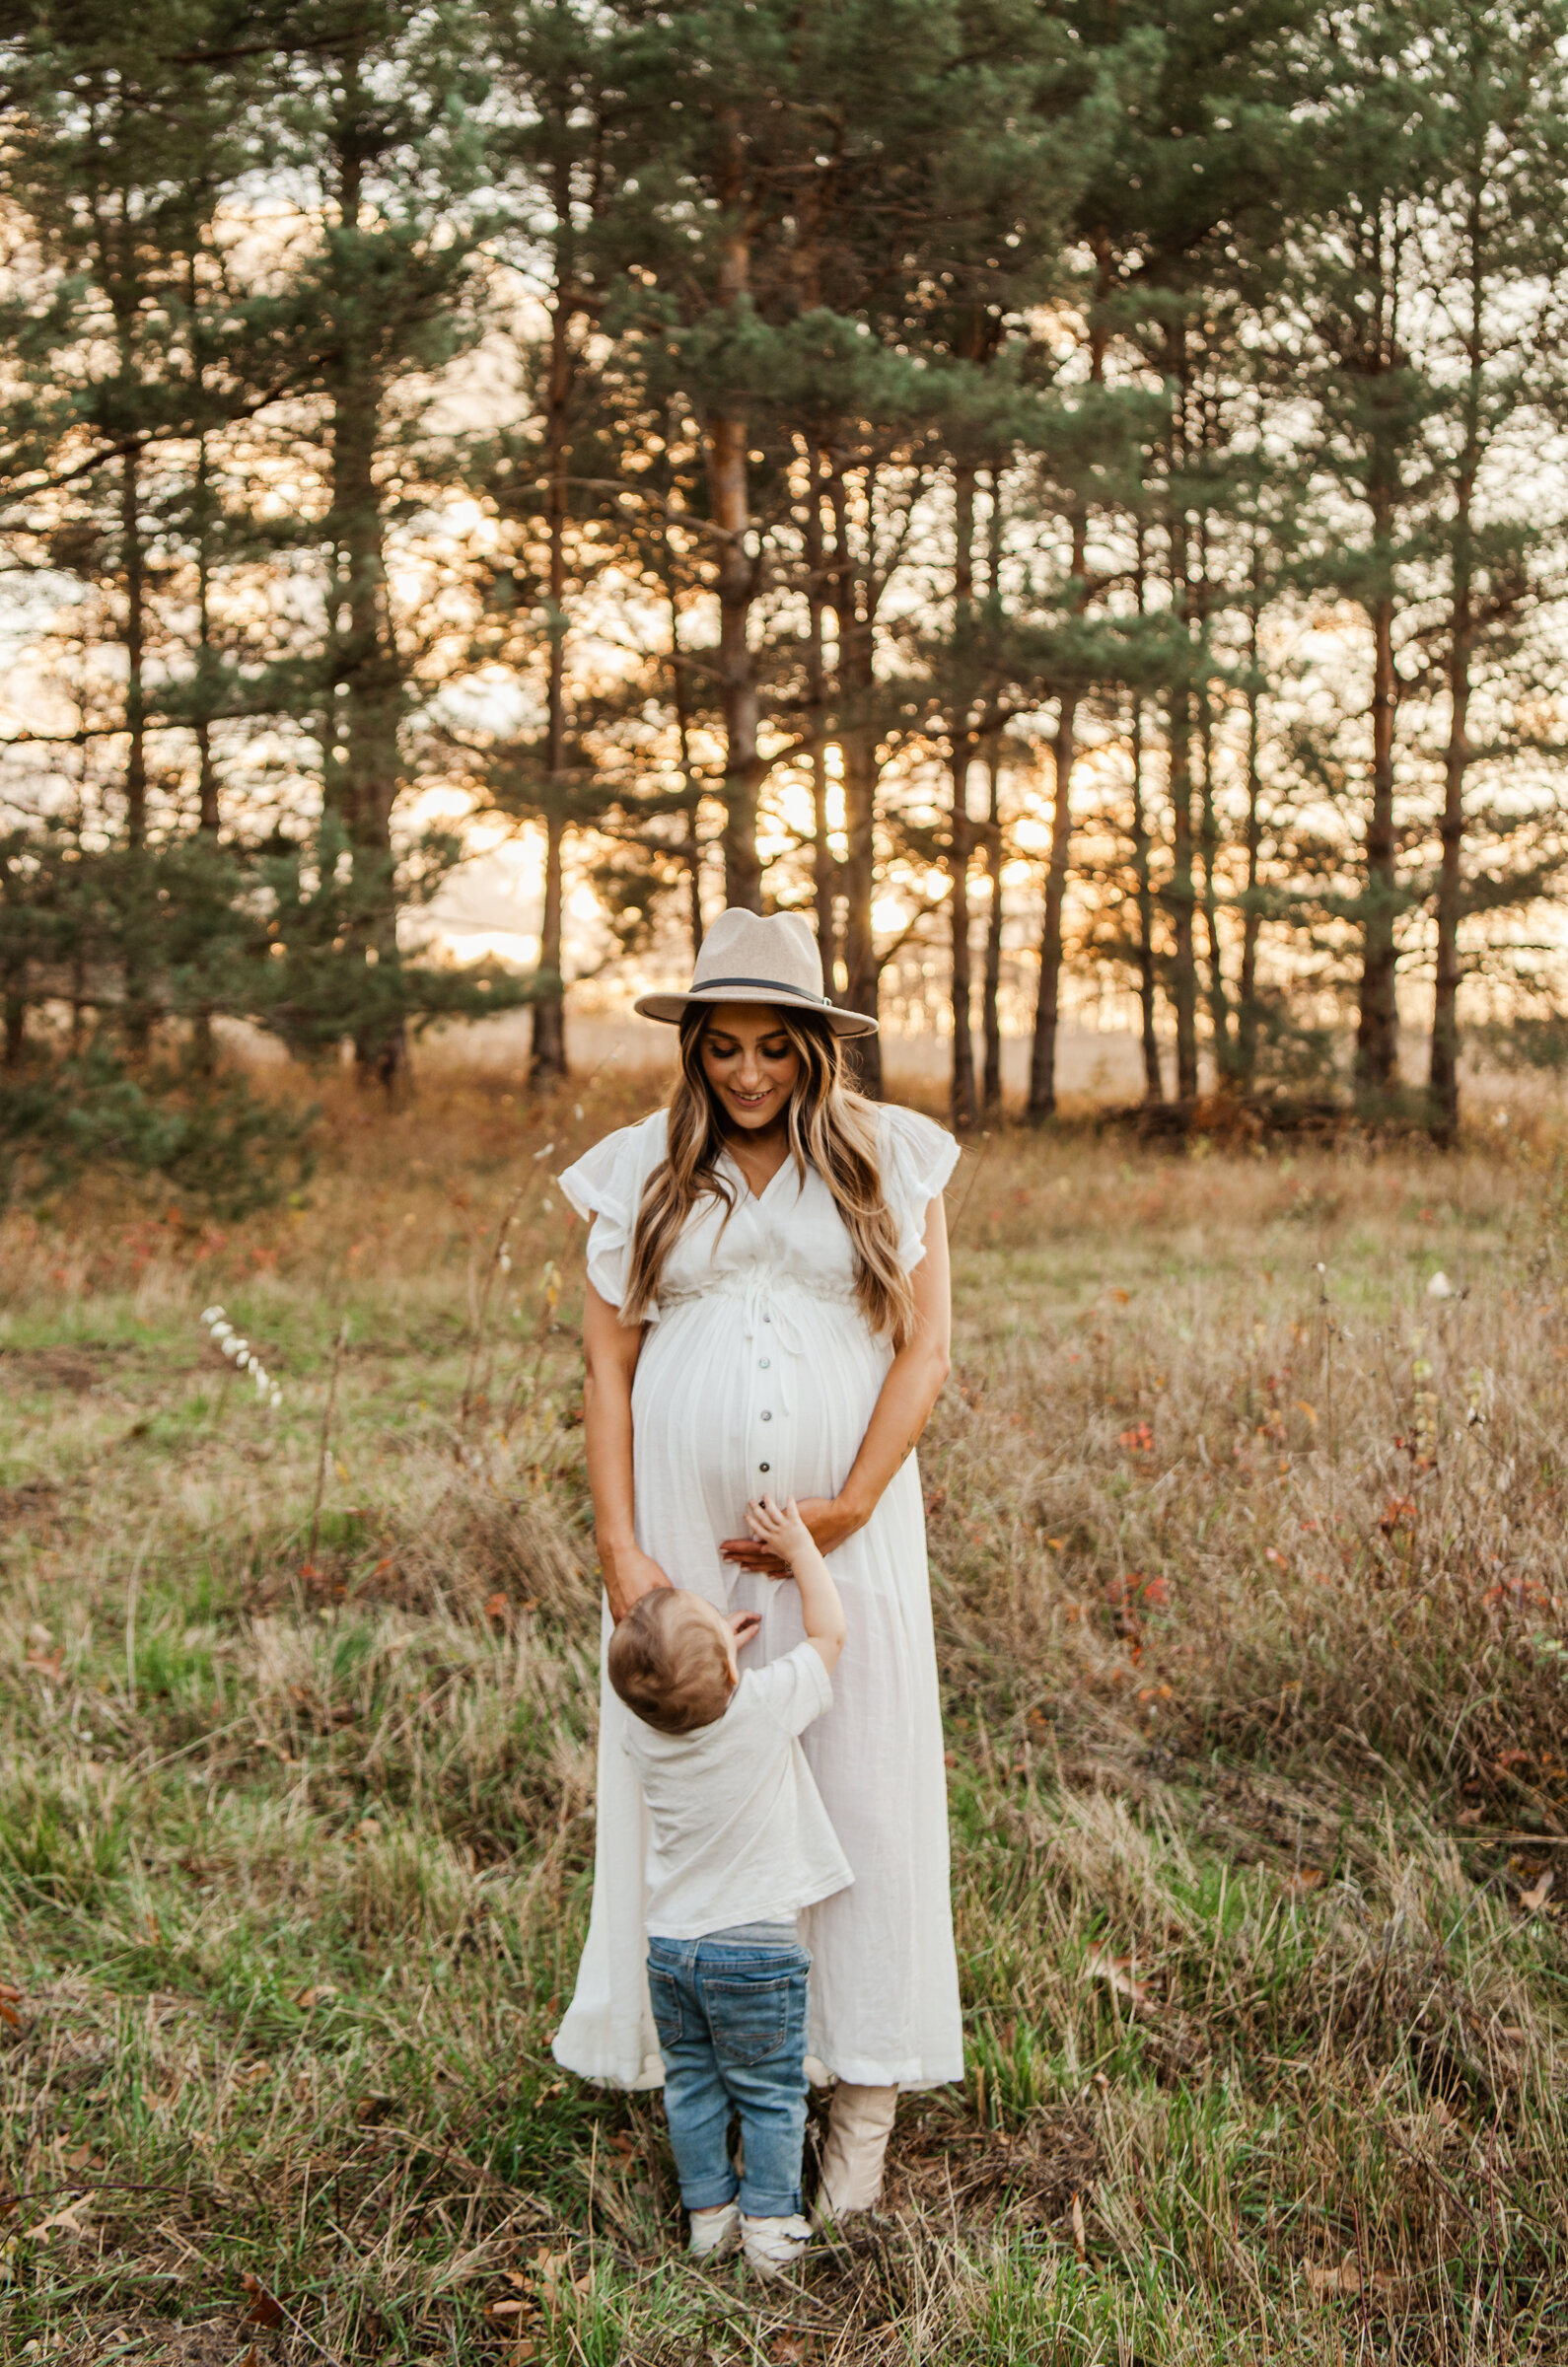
<point x="606" y="1187"/>
<point x="917" y="1159"/>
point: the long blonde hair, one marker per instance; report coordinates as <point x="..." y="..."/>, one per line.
<point x="831" y="1128"/>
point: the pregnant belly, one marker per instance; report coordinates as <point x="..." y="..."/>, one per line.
<point x="729" y="1405"/>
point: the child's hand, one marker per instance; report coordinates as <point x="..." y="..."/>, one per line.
<point x="744" y="1625"/>
<point x="778" y="1526"/>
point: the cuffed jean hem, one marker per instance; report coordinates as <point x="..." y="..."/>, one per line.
<point x="770" y="2207"/>
<point x="710" y="2193"/>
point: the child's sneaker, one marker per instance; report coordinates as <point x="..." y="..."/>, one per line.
<point x="773" y="2246"/>
<point x="716" y="2233"/>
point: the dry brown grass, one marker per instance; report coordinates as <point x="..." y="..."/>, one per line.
<point x="1249" y="1587"/>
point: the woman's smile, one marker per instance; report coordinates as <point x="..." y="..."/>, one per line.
<point x="750" y="1064"/>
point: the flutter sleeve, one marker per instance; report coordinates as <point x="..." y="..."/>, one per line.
<point x="606" y="1187"/>
<point x="917" y="1159"/>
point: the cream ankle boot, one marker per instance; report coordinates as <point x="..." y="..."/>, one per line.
<point x="859" y="2124"/>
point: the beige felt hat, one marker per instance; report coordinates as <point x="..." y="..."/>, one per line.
<point x="748" y="957"/>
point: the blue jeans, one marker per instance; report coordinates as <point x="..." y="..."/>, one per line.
<point x="732" y="2029"/>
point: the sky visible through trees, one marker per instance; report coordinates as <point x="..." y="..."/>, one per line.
<point x="1056" y="493"/>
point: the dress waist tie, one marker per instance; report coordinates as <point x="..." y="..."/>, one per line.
<point x="767" y="1316"/>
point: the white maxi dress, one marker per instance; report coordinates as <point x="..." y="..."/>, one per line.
<point x="758" y="1373"/>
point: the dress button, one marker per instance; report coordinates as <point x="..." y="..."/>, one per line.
<point x="761" y="1364"/>
<point x="767" y="1417"/>
<point x="764" y="1467"/>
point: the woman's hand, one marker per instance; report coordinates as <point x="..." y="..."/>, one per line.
<point x="629" y="1574"/>
<point x="829" y="1520"/>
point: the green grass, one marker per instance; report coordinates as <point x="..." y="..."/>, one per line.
<point x="1256" y="1666"/>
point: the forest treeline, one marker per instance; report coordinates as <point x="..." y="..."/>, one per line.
<point x="933" y="462"/>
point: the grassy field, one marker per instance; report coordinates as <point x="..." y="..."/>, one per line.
<point x="1248" y="1561"/>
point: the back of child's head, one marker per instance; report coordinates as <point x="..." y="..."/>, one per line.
<point x="668" y="1663"/>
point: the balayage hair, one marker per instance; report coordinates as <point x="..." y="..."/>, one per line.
<point x="668" y="1668"/>
<point x="831" y="1128"/>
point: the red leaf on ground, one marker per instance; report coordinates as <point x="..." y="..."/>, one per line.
<point x="264" y="2308"/>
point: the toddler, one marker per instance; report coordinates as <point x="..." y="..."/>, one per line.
<point x="740" y="1843"/>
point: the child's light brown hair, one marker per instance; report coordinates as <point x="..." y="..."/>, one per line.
<point x="668" y="1668"/>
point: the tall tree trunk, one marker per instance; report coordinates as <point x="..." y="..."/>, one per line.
<point x="991" y="988"/>
<point x="548" y="1050"/>
<point x="1180" y="893"/>
<point x="730" y="501"/>
<point x="960" y="835"/>
<point x="1209" y="826"/>
<point x="822" y="865"/>
<point x="133" y="560"/>
<point x="1041" y="1100"/>
<point x="15" y="972"/>
<point x="1153" y="1081"/>
<point x="1378" y="1028"/>
<point x="1443" y="1077"/>
<point x="1251" y="918"/>
<point x="680" y="699"/>
<point x="857" y="740"/>
<point x="991" y="985"/>
<point x="362" y="786"/>
<point x="862" y="969"/>
<point x="207" y="809"/>
<point x="1047" y="1010"/>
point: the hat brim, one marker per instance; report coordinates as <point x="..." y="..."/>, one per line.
<point x="671" y="1008"/>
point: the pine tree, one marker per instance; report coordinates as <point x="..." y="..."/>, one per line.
<point x="1495" y="247"/>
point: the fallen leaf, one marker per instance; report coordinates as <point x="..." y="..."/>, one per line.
<point x="78" y="2158"/>
<point x="1121" y="1297"/>
<point x="47" y="1664"/>
<point x="264" y="2308"/>
<point x="66" y="2219"/>
<point x="506" y="2309"/>
<point x="1305" y="1878"/>
<point x="785" y="2349"/>
<point x="309" y="2000"/>
<point x="496" y="1607"/>
<point x="371" y="2109"/>
<point x="1471" y="1815"/>
<point x="1113" y="1968"/>
<point x="1537" y="1898"/>
<point x="1347" y="2279"/>
<point x="1080" y="2240"/>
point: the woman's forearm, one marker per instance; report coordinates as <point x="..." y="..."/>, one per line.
<point x="606" y="1433"/>
<point x="611" y="1355"/>
<point x="914" y="1379"/>
<point x="901" y="1412"/>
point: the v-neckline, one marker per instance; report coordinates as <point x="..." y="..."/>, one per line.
<point x="753" y="1197"/>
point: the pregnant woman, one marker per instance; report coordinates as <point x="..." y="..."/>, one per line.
<point x="768" y="1312"/>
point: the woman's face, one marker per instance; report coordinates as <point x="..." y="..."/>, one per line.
<point x="750" y="1063"/>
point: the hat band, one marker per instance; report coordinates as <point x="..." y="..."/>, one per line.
<point x="770" y="985"/>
